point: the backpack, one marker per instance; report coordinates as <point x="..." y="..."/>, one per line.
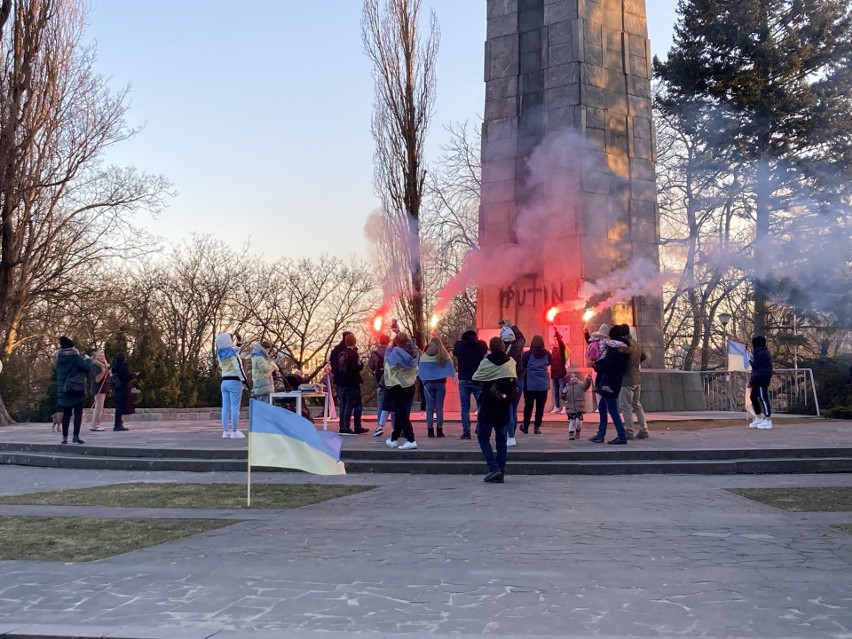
<point x="377" y="365"/>
<point x="341" y="361"/>
<point x="115" y="382"/>
<point x="75" y="383"/>
<point x="503" y="390"/>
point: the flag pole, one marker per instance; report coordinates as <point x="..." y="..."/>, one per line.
<point x="325" y="403"/>
<point x="248" y="474"/>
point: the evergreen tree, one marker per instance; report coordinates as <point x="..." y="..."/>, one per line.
<point x="764" y="84"/>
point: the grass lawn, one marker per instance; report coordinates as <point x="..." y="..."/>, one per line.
<point x="845" y="528"/>
<point x="82" y="539"/>
<point x="174" y="495"/>
<point x="794" y="500"/>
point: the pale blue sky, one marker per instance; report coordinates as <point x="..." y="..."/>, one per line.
<point x="259" y="111"/>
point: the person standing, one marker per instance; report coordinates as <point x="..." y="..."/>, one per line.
<point x="233" y="382"/>
<point x="262" y="369"/>
<point x="434" y="368"/>
<point x="100" y="390"/>
<point x="758" y="382"/>
<point x="122" y="383"/>
<point x="349" y="367"/>
<point x="611" y="367"/>
<point x="497" y="375"/>
<point x="574" y="398"/>
<point x="535" y="382"/>
<point x="514" y="342"/>
<point x="469" y="352"/>
<point x="72" y="369"/>
<point x="558" y="370"/>
<point x="629" y="399"/>
<point x="400" y="377"/>
<point x="376" y="363"/>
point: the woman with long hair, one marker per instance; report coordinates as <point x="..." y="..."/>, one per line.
<point x="434" y="368"/>
<point x="100" y="390"/>
<point x="536" y="382"/>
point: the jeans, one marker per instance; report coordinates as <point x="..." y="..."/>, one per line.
<point x="483" y="435"/>
<point x="628" y="403"/>
<point x="513" y="416"/>
<point x="77" y="409"/>
<point x="556" y="386"/>
<point x="539" y="398"/>
<point x="609" y="404"/>
<point x="400" y="398"/>
<point x="232" y="395"/>
<point x="436" y="392"/>
<point x="350" y="397"/>
<point x="466" y="388"/>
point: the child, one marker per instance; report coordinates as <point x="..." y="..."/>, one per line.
<point x="575" y="402"/>
<point x="598" y="343"/>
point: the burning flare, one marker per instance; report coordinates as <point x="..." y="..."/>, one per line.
<point x="551" y="314"/>
<point x="589" y="314"/>
<point x="377" y="323"/>
<point x="434" y="321"/>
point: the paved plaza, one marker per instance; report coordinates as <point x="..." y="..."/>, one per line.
<point x="450" y="556"/>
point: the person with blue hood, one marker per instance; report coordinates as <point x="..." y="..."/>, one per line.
<point x="262" y="369"/>
<point x="758" y="382"/>
<point x="233" y="381"/>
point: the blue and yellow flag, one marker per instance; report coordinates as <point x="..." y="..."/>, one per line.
<point x="737" y="357"/>
<point x="282" y="439"/>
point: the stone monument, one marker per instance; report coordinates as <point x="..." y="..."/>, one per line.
<point x="583" y="66"/>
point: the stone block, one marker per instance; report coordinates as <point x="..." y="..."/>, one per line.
<point x="501" y="26"/>
<point x="568" y="95"/>
<point x="561" y="75"/>
<point x="501" y="88"/>
<point x="502" y="67"/>
<point x="595" y="118"/>
<point x="635" y="24"/>
<point x="532" y="82"/>
<point x="616" y="104"/>
<point x="499" y="212"/>
<point x="640" y="107"/>
<point x="636" y="44"/>
<point x="593" y="53"/>
<point x="504" y="108"/>
<point x="498" y="192"/>
<point x="613" y="60"/>
<point x="500" y="8"/>
<point x="640" y="87"/>
<point x="555" y="12"/>
<point x="497" y="233"/>
<point x="642" y="128"/>
<point x="561" y="33"/>
<point x="560" y="118"/>
<point x="530" y="19"/>
<point x="498" y="171"/>
<point x="530" y="61"/>
<point x="504" y="46"/>
<point x="596" y="137"/>
<point x="498" y="130"/>
<point x="643" y="149"/>
<point x="638" y="66"/>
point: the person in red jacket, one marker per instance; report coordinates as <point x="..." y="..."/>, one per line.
<point x="558" y="370"/>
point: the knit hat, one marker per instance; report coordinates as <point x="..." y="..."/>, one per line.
<point x="507" y="334"/>
<point x="602" y="332"/>
<point x="66" y="342"/>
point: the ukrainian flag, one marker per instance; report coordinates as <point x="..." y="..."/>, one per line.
<point x="279" y="438"/>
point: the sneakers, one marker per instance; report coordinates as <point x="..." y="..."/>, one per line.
<point x="572" y="436"/>
<point x="596" y="440"/>
<point x="631" y="436"/>
<point x="511" y="441"/>
<point x="494" y="478"/>
<point x="618" y="441"/>
<point x="360" y="431"/>
<point x="345" y="431"/>
<point x="391" y="444"/>
<point x="765" y="424"/>
<point x="237" y="435"/>
<point x="555" y="411"/>
<point x="226" y="434"/>
<point x="642" y="434"/>
<point x="409" y="446"/>
<point x="121" y="428"/>
<point x="606" y="389"/>
<point x="96" y="429"/>
<point x="757" y="420"/>
<point x="465" y="436"/>
<point x="379" y="432"/>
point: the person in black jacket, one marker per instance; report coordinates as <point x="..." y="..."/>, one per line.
<point x="348" y="380"/>
<point x="761" y="375"/>
<point x="613" y="365"/>
<point x="469" y="352"/>
<point x="123" y="391"/>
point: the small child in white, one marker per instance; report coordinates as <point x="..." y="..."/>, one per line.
<point x="574" y="396"/>
<point x="599" y="342"/>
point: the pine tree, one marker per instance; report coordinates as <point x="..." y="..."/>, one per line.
<point x="764" y="84"/>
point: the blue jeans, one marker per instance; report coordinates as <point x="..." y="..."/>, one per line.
<point x="557" y="385"/>
<point x="513" y="415"/>
<point x="435" y="392"/>
<point x="466" y="388"/>
<point x="232" y="395"/>
<point x="483" y="435"/>
<point x="609" y="404"/>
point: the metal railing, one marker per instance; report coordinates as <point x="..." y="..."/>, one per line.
<point x="791" y="390"/>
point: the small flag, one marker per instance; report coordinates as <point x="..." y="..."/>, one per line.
<point x="737" y="357"/>
<point x="281" y="439"/>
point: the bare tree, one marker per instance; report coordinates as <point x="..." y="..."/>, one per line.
<point x="404" y="67"/>
<point x="60" y="207"/>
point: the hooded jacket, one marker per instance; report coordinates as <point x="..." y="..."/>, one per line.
<point x="574" y="395"/>
<point x="70" y="362"/>
<point x="262" y="368"/>
<point x="515" y="350"/>
<point x="229" y="359"/>
<point x="400" y="367"/>
<point x="535" y="363"/>
<point x="761" y="361"/>
<point x="469" y="352"/>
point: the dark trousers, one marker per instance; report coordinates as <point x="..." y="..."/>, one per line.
<point x="760" y="398"/>
<point x="350" y="398"/>
<point x="609" y="404"/>
<point x="77" y="409"/>
<point x="398" y="401"/>
<point x="540" y="399"/>
<point x="483" y="435"/>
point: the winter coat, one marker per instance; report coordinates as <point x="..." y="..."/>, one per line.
<point x="262" y="368"/>
<point x="574" y="395"/>
<point x="558" y="359"/>
<point x="469" y="352"/>
<point x="515" y="350"/>
<point x="400" y="367"/>
<point x="123" y="394"/>
<point x="349" y="367"/>
<point x="376" y="363"/>
<point x="229" y="358"/>
<point x="535" y="363"/>
<point x="613" y="365"/>
<point x="761" y="362"/>
<point x="69" y="362"/>
<point x="430" y="370"/>
<point x="495" y="366"/>
<point x="635" y="356"/>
